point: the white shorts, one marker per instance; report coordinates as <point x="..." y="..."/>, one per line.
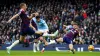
<point x="43" y="30"/>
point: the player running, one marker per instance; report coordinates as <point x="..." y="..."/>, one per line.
<point x="69" y="36"/>
<point x="43" y="28"/>
<point x="25" y="29"/>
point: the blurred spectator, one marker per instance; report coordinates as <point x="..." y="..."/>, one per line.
<point x="85" y="6"/>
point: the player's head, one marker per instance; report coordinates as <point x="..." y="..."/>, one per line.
<point x="38" y="18"/>
<point x="23" y="6"/>
<point x="75" y="25"/>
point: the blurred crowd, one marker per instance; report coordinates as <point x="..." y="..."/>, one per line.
<point x="55" y="13"/>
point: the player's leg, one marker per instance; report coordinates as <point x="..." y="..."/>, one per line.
<point x="30" y="31"/>
<point x="59" y="40"/>
<point x="37" y="38"/>
<point x="71" y="48"/>
<point x="43" y="49"/>
<point x="48" y="35"/>
<point x="45" y="34"/>
<point x="45" y="44"/>
<point x="51" y="35"/>
<point x="48" y="43"/>
<point x="55" y="41"/>
<point x="15" y="43"/>
<point x="34" y="45"/>
<point x="38" y="45"/>
<point x="41" y="38"/>
<point x="70" y="42"/>
<point x="67" y="40"/>
<point x="51" y="42"/>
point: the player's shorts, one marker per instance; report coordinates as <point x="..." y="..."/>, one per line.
<point x="43" y="30"/>
<point x="67" y="40"/>
<point x="27" y="31"/>
<point x="36" y="36"/>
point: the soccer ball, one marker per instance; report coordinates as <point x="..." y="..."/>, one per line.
<point x="90" y="47"/>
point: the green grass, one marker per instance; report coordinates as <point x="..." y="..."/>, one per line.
<point x="47" y="53"/>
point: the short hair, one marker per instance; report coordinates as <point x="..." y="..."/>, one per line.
<point x="22" y="4"/>
<point x="37" y="17"/>
<point x="74" y="23"/>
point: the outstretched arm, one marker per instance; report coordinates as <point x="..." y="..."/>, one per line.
<point x="13" y="18"/>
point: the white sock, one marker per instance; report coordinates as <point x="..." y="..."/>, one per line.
<point x="48" y="35"/>
<point x="13" y="44"/>
<point x="38" y="44"/>
<point x="51" y="42"/>
<point x="43" y="48"/>
<point x="34" y="47"/>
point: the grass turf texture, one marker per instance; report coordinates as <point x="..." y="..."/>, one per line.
<point x="47" y="53"/>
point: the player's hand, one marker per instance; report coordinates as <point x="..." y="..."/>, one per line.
<point x="32" y="15"/>
<point x="9" y="21"/>
<point x="36" y="14"/>
<point x="33" y="28"/>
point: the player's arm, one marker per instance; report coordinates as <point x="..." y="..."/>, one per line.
<point x="33" y="15"/>
<point x="37" y="32"/>
<point x="32" y="26"/>
<point x="13" y="18"/>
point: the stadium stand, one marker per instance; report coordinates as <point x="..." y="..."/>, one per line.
<point x="56" y="13"/>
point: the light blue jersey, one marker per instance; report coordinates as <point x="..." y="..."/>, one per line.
<point x="40" y="25"/>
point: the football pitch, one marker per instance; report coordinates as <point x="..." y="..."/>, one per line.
<point x="47" y="53"/>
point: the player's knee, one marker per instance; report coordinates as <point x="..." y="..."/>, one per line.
<point x="59" y="40"/>
<point x="36" y="40"/>
<point x="46" y="43"/>
<point x="71" y="46"/>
